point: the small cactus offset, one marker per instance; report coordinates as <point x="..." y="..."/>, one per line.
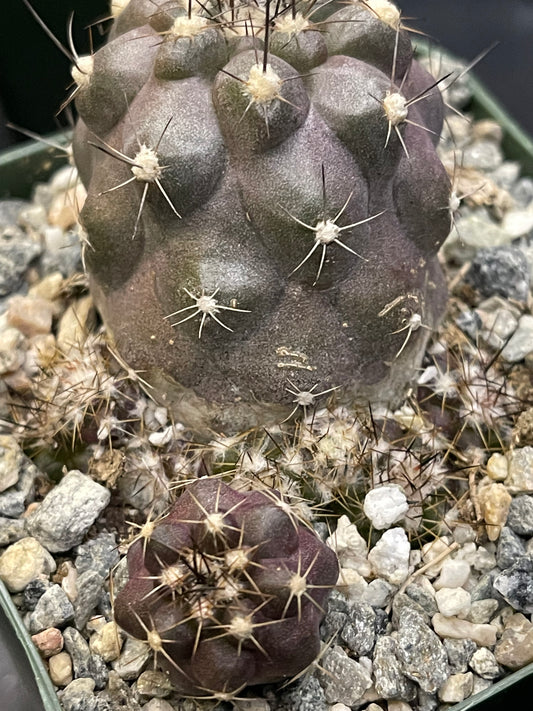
<point x="265" y="203"/>
<point x="227" y="590"/>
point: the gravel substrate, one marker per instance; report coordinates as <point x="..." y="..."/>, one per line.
<point x="433" y="502"/>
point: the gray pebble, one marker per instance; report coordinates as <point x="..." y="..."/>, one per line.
<point x="516" y="584"/>
<point x="506" y="175"/>
<point x="378" y="593"/>
<point x="509" y="548"/>
<point x="389" y="680"/>
<point x="520" y="517"/>
<point x="422" y="597"/>
<point x="11" y="530"/>
<point x="84" y="663"/>
<point x="119" y="695"/>
<point x="17" y="251"/>
<point x="10" y="210"/>
<point x="470" y="323"/>
<point x="162" y="705"/>
<point x="416" y="641"/>
<point x="484" y="664"/>
<point x="152" y="683"/>
<point x="359" y="631"/>
<point x="521" y="342"/>
<point x="13" y="502"/>
<point x="53" y="609"/>
<point x="100" y="554"/>
<point x="66" y="260"/>
<point x="342" y="678"/>
<point x="459" y="652"/>
<point x="472" y="233"/>
<point x="522" y="191"/>
<point x="90" y="588"/>
<point x="11" y="457"/>
<point x="337" y="612"/>
<point x="484" y="587"/>
<point x="308" y="695"/>
<point x="132" y="660"/>
<point x="403" y="602"/>
<point x="79" y="696"/>
<point x="500" y="270"/>
<point x="332" y="625"/>
<point x="426" y="701"/>
<point x="33" y="592"/>
<point x="68" y="511"/>
<point x="482" y="611"/>
<point x="482" y="155"/>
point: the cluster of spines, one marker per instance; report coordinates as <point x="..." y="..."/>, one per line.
<point x="227" y="589"/>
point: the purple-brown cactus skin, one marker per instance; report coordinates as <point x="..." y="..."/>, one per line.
<point x="228" y="590"/>
<point x="265" y="209"/>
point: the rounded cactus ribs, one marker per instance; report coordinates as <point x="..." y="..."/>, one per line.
<point x="227" y="590"/>
<point x="262" y="180"/>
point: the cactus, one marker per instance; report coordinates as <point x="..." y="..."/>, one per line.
<point x="265" y="209"/>
<point x="227" y="590"/>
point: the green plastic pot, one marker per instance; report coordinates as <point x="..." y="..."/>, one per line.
<point x="24" y="681"/>
<point x="20" y="169"/>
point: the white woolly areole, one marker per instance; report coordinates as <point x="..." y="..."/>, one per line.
<point x="386" y="11"/>
<point x="326" y="231"/>
<point x="385" y="505"/>
<point x="214" y="522"/>
<point x="146" y="166"/>
<point x="154" y="641"/>
<point x="207" y="305"/>
<point x="291" y="25"/>
<point x="454" y="202"/>
<point x="237" y="558"/>
<point x="395" y="106"/>
<point x="263" y="86"/>
<point x="241" y="627"/>
<point x="82" y="71"/>
<point x="185" y="26"/>
<point x="297" y="585"/>
<point x="173" y="576"/>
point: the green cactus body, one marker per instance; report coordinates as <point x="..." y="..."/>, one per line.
<point x="262" y="220"/>
<point x="227" y="590"/>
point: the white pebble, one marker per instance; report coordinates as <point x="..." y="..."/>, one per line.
<point x="385" y="505"/>
<point x="24" y="561"/>
<point x="352" y="584"/>
<point x="60" y="669"/>
<point x="520" y="477"/>
<point x="431" y="551"/>
<point x="350" y="546"/>
<point x="390" y="556"/>
<point x="456" y="688"/>
<point x="497" y="467"/>
<point x="453" y="574"/>
<point x="518" y="223"/>
<point x="398" y="705"/>
<point x="521" y="342"/>
<point x="482" y="635"/>
<point x="484" y="664"/>
<point x="453" y="601"/>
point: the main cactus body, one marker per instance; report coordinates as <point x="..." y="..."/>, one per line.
<point x="264" y="213"/>
<point x="227" y="590"/>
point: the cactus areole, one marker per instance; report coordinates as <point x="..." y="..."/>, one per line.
<point x="265" y="202"/>
<point x="228" y="590"/>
